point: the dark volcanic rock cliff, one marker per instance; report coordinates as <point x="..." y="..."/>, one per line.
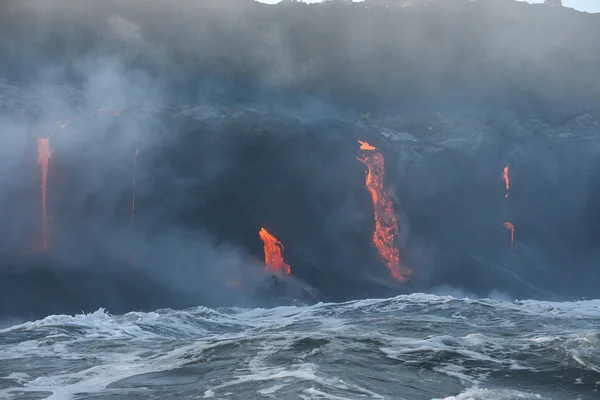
<point x="247" y="116"/>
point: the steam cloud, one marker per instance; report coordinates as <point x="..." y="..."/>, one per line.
<point x="247" y="115"/>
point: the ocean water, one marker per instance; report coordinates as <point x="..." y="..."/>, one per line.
<point x="410" y="347"/>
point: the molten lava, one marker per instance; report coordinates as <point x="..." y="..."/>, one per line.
<point x="65" y="124"/>
<point x="506" y="180"/>
<point x="511" y="228"/>
<point x="386" y="224"/>
<point x="44" y="152"/>
<point x="60" y="126"/>
<point x="366" y="146"/>
<point x="273" y="254"/>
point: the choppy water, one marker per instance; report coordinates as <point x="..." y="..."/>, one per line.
<point x="410" y="347"/>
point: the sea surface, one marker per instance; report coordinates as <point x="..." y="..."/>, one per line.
<point x="410" y="347"/>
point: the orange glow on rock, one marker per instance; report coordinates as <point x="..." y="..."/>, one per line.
<point x="273" y="254"/>
<point x="386" y="224"/>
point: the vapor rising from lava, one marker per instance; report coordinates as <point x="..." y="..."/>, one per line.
<point x="511" y="228"/>
<point x="509" y="225"/>
<point x="273" y="254"/>
<point x="386" y="224"/>
<point x="44" y="152"/>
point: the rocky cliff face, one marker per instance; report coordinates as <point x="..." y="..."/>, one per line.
<point x="231" y="129"/>
<point x="210" y="176"/>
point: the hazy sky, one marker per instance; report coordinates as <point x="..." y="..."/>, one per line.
<point x="583" y="5"/>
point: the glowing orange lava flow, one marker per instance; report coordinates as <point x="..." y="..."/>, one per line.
<point x="506" y="180"/>
<point x="44" y="152"/>
<point x="60" y="126"/>
<point x="511" y="228"/>
<point x="65" y="124"/>
<point x="386" y="224"/>
<point x="273" y="254"/>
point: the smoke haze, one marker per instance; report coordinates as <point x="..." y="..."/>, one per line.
<point x="247" y="115"/>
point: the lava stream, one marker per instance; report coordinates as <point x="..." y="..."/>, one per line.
<point x="44" y="152"/>
<point x="511" y="228"/>
<point x="273" y="254"/>
<point x="60" y="126"/>
<point x="386" y="224"/>
<point x="506" y="180"/>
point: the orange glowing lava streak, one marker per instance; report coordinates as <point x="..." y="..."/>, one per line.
<point x="44" y="152"/>
<point x="506" y="180"/>
<point x="386" y="224"/>
<point x="511" y="228"/>
<point x="273" y="254"/>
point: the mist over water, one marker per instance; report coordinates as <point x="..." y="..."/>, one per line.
<point x="246" y="116"/>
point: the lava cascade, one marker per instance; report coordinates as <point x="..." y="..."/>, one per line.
<point x="511" y="228"/>
<point x="273" y="254"/>
<point x="44" y="153"/>
<point x="506" y="180"/>
<point x="386" y="224"/>
<point x="508" y="225"/>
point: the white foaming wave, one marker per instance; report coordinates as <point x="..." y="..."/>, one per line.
<point x="116" y="366"/>
<point x="271" y="390"/>
<point x="579" y="309"/>
<point x="305" y="372"/>
<point x="317" y="394"/>
<point x="493" y="394"/>
<point x="186" y="322"/>
<point x="258" y="370"/>
<point x="574" y="309"/>
<point x="585" y="350"/>
<point x="97" y="318"/>
<point x="488" y="353"/>
<point x="140" y="325"/>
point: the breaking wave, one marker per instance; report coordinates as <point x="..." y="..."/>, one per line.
<point x="377" y="349"/>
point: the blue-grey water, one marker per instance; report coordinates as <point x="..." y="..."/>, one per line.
<point x="409" y="347"/>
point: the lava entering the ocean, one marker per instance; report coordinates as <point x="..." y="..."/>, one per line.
<point x="511" y="228"/>
<point x="506" y="180"/>
<point x="273" y="254"/>
<point x="44" y="152"/>
<point x="386" y="224"/>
